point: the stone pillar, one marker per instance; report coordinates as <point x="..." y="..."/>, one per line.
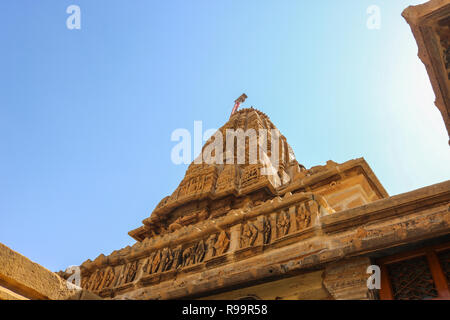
<point x="235" y="233"/>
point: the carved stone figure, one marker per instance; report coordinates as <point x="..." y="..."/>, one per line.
<point x="109" y="277"/>
<point x="210" y="246"/>
<point x="166" y="259"/>
<point x="94" y="280"/>
<point x="188" y="255"/>
<point x="122" y="274"/>
<point x="283" y="224"/>
<point x="177" y="255"/>
<point x="156" y="262"/>
<point x="147" y="267"/>
<point x="303" y="217"/>
<point x="131" y="274"/>
<point x="248" y="235"/>
<point x="266" y="230"/>
<point x="222" y="243"/>
<point x="200" y="250"/>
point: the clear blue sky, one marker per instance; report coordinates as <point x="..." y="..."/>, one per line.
<point x="86" y="115"/>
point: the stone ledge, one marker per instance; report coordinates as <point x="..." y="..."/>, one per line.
<point x="20" y="277"/>
<point x="385" y="208"/>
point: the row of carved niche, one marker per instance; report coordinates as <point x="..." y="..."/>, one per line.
<point x="220" y="208"/>
<point x="267" y="228"/>
<point x="216" y="212"/>
<point x="158" y="261"/>
<point x="262" y="230"/>
<point x="198" y="183"/>
<point x="199" y="215"/>
<point x="297" y="223"/>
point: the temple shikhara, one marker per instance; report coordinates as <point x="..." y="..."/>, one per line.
<point x="230" y="230"/>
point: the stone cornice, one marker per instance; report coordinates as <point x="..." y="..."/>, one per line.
<point x="198" y="231"/>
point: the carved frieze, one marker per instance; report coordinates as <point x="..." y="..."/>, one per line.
<point x="261" y="229"/>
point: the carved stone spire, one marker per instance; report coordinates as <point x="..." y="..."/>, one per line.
<point x="227" y="171"/>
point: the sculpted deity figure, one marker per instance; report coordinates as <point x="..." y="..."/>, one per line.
<point x="303" y="217"/>
<point x="266" y="230"/>
<point x="156" y="262"/>
<point x="210" y="246"/>
<point x="200" y="250"/>
<point x="222" y="243"/>
<point x="131" y="271"/>
<point x="283" y="224"/>
<point x="94" y="280"/>
<point x="177" y="256"/>
<point x="98" y="279"/>
<point x="248" y="235"/>
<point x="108" y="278"/>
<point x="147" y="268"/>
<point x="188" y="254"/>
<point x="166" y="259"/>
<point x="123" y="269"/>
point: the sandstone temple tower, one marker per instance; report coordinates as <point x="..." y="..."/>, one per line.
<point x="231" y="232"/>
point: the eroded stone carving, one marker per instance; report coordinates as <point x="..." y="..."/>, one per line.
<point x="266" y="230"/>
<point x="109" y="278"/>
<point x="177" y="255"/>
<point x="199" y="252"/>
<point x="302" y="216"/>
<point x="188" y="256"/>
<point x="283" y="224"/>
<point x="222" y="243"/>
<point x="156" y="261"/>
<point x="249" y="232"/>
<point x="131" y="272"/>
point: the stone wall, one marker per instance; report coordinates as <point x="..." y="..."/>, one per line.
<point x="22" y="279"/>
